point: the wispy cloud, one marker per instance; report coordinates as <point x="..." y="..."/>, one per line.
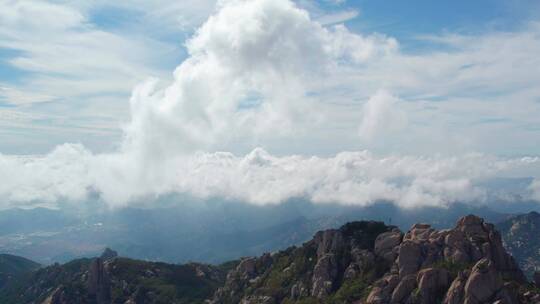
<point x="14" y="96"/>
<point x="337" y="17"/>
<point x="69" y="62"/>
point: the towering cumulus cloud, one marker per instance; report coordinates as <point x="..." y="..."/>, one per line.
<point x="253" y="73"/>
<point x="249" y="70"/>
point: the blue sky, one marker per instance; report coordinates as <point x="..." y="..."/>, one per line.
<point x="81" y="95"/>
<point x="409" y="18"/>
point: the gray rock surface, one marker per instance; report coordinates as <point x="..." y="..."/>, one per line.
<point x="461" y="265"/>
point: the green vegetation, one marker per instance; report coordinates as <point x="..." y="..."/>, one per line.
<point x="13" y="267"/>
<point x="11" y="264"/>
<point x="453" y="267"/>
<point x="146" y="281"/>
<point x="168" y="283"/>
<point x="364" y="233"/>
<point x="290" y="266"/>
<point x="227" y="266"/>
<point x="45" y="279"/>
<point x="351" y="290"/>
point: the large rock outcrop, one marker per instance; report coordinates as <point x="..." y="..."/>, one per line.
<point x="331" y="265"/>
<point x="359" y="263"/>
<point x="467" y="264"/>
<point x="98" y="282"/>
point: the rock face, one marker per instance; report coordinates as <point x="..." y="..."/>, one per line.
<point x="356" y="264"/>
<point x="520" y="235"/>
<point x="483" y="283"/>
<point x="337" y="264"/>
<point x="466" y="264"/>
<point x="99" y="283"/>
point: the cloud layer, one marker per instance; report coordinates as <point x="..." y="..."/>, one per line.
<point x="71" y="173"/>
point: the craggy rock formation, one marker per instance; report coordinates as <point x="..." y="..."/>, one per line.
<point x="467" y="264"/>
<point x="336" y="264"/>
<point x="368" y="262"/>
<point x="98" y="282"/>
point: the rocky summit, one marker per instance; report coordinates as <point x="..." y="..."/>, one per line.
<point x="369" y="262"/>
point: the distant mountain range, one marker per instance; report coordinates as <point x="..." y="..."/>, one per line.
<point x="363" y="262"/>
<point x="210" y="231"/>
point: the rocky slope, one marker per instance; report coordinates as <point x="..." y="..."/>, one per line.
<point x="368" y="262"/>
<point x="110" y="279"/>
<point x="521" y="236"/>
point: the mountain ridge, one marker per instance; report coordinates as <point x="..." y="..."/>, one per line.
<point x="521" y="235"/>
<point x="362" y="262"/>
<point x="12" y="267"/>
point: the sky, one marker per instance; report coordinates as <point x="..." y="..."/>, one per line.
<point x="333" y="100"/>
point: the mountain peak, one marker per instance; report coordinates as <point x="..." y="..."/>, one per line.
<point x="534" y="214"/>
<point x="369" y="262"/>
<point x="108" y="254"/>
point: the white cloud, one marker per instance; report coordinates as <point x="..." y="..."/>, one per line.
<point x="11" y="95"/>
<point x="71" y="55"/>
<point x="71" y="173"/>
<point x="62" y="173"/>
<point x="534" y="187"/>
<point x="337" y="17"/>
<point x="458" y="94"/>
<point x="381" y="115"/>
<point x="270" y="51"/>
